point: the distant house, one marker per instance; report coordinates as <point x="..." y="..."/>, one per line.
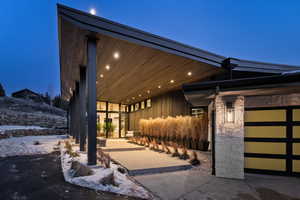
<point x="28" y="94"/>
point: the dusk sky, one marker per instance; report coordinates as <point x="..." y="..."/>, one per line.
<point x="258" y="30"/>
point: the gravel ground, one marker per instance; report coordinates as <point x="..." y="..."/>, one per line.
<point x="40" y="177"/>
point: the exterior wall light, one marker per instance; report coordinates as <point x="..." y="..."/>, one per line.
<point x="229" y="112"/>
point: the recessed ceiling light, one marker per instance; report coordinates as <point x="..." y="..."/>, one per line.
<point x="107" y="67"/>
<point x="116" y="55"/>
<point x="101" y="76"/>
<point x="93" y="11"/>
<point x="140" y="95"/>
<point x="159" y="86"/>
<point x="148" y="91"/>
<point x="189" y="73"/>
<point x="96" y="82"/>
<point x="172" y="81"/>
<point x="133" y="97"/>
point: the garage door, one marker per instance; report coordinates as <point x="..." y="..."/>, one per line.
<point x="272" y="140"/>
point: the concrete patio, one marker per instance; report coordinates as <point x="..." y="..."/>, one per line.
<point x="139" y="160"/>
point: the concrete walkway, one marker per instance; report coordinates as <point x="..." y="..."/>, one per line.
<point x="140" y="160"/>
<point x="196" y="184"/>
<point x="120" y="145"/>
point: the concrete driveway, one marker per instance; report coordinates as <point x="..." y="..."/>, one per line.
<point x="197" y="184"/>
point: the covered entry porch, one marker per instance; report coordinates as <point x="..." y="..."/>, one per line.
<point x="112" y="63"/>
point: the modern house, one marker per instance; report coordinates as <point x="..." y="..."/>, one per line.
<point x="112" y="72"/>
<point x="28" y="94"/>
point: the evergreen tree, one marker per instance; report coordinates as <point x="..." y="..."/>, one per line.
<point x="60" y="102"/>
<point x="2" y="91"/>
<point x="47" y="98"/>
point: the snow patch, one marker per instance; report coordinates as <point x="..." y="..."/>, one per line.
<point x="125" y="185"/>
<point x="20" y="146"/>
<point x="4" y="128"/>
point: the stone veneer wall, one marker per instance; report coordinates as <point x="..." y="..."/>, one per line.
<point x="229" y="139"/>
<point x="272" y="100"/>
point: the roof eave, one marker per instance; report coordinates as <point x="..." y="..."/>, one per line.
<point x="103" y="26"/>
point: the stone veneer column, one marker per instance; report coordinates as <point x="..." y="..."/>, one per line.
<point x="229" y="139"/>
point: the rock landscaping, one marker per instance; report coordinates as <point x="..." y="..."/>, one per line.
<point x="103" y="176"/>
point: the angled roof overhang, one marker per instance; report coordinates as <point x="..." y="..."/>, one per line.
<point x="146" y="60"/>
<point x="104" y="26"/>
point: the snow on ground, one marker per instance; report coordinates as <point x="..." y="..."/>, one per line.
<point x="4" y="128"/>
<point x="125" y="185"/>
<point x="20" y="146"/>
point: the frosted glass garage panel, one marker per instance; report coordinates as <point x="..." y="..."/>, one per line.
<point x="265" y="116"/>
<point x="265" y="131"/>
<point x="265" y="147"/>
<point x="296" y="115"/>
<point x="266" y="164"/>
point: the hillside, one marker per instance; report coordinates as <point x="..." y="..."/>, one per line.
<point x="21" y="112"/>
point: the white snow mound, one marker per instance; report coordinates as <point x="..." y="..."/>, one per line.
<point x="20" y="146"/>
<point x="4" y="128"/>
<point x="125" y="185"/>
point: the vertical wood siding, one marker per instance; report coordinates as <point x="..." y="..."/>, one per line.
<point x="169" y="104"/>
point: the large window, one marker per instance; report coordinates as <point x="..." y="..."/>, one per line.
<point x="198" y="112"/>
<point x="101" y="105"/>
<point x="113" y="107"/>
<point x="143" y="105"/>
<point x="148" y="102"/>
<point x="123" y="108"/>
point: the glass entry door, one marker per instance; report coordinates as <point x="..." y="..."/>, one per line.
<point x="114" y="120"/>
<point x="111" y="120"/>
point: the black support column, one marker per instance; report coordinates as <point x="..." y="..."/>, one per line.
<point x="69" y="117"/>
<point x="77" y="113"/>
<point x="91" y="100"/>
<point x="82" y="104"/>
<point x="120" y="120"/>
<point x="106" y="119"/>
<point x="72" y="116"/>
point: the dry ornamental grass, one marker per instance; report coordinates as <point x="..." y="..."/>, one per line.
<point x="190" y="132"/>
